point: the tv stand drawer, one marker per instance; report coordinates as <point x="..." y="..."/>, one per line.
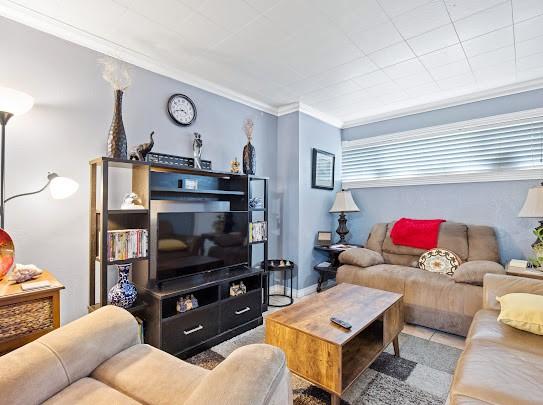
<point x="190" y="328"/>
<point x="241" y="309"/>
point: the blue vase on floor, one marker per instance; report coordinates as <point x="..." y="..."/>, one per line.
<point x="124" y="293"/>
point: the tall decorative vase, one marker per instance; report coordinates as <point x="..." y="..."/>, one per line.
<point x="116" y="140"/>
<point x="124" y="293"/>
<point x="249" y="159"/>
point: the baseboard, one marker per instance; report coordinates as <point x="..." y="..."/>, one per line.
<point x="278" y="289"/>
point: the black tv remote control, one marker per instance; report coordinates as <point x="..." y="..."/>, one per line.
<point x="341" y="323"/>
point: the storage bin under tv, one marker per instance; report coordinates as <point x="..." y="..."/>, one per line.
<point x="219" y="317"/>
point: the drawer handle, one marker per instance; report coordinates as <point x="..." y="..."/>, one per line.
<point x="242" y="311"/>
<point x="196" y="329"/>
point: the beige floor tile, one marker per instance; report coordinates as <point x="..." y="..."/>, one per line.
<point x="449" y="340"/>
<point x="418" y="331"/>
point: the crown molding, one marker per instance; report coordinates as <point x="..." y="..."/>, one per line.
<point x="80" y="37"/>
<point x="450" y="102"/>
<point x="313" y="112"/>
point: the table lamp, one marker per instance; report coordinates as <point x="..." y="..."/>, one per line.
<point x="344" y="203"/>
<point x="12" y="103"/>
<point x="533" y="208"/>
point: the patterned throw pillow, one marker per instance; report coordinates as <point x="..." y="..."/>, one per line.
<point x="439" y="261"/>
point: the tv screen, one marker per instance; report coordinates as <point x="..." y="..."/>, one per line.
<point x="194" y="242"/>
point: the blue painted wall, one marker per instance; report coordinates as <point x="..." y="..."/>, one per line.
<point x="494" y="203"/>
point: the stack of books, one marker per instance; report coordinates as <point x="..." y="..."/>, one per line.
<point x="127" y="244"/>
<point x="258" y="231"/>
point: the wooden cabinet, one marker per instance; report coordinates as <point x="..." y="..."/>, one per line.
<point x="27" y="315"/>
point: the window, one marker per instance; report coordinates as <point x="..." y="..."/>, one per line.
<point x="506" y="147"/>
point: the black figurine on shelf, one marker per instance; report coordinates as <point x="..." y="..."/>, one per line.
<point x="140" y="152"/>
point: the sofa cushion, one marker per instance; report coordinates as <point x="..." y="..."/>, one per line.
<point x="361" y="257"/>
<point x="498" y="374"/>
<point x="522" y="311"/>
<point x="486" y="327"/>
<point x="149" y="375"/>
<point x="92" y="392"/>
<point x="386" y="277"/>
<point x="376" y="237"/>
<point x="483" y="244"/>
<point x="401" y="260"/>
<point x="474" y="272"/>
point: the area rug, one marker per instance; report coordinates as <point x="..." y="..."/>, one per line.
<point x="422" y="375"/>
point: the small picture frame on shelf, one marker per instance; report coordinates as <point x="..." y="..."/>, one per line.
<point x="324" y="238"/>
<point x="191" y="184"/>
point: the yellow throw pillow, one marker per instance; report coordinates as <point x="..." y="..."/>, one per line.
<point x="522" y="311"/>
<point x="170" y="245"/>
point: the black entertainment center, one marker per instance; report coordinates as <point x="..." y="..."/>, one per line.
<point x="199" y="223"/>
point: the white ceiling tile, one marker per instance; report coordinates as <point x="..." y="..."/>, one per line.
<point x="489" y="42"/>
<point x="232" y="15"/>
<point x="424" y="90"/>
<point x="439" y="38"/>
<point x="525" y="9"/>
<point x="335" y="90"/>
<point x="529" y="47"/>
<point x="498" y="56"/>
<point x="260" y="5"/>
<point x="292" y="16"/>
<point x="484" y="21"/>
<point x="169" y="13"/>
<point x="372" y="79"/>
<point x="194" y="4"/>
<point x="397" y="7"/>
<point x="353" y="15"/>
<point x="422" y="19"/>
<point x="393" y="54"/>
<point x="459" y="9"/>
<point x="346" y="71"/>
<point x="201" y="33"/>
<point x="457" y="68"/>
<point x="408" y="82"/>
<point x="407" y="68"/>
<point x="495" y="76"/>
<point x="382" y="89"/>
<point x="378" y="37"/>
<point x="443" y="56"/>
<point x="390" y="98"/>
<point x="529" y="29"/>
<point x="461" y="81"/>
<point x="534" y="61"/>
<point x="530" y="74"/>
<point x="88" y="16"/>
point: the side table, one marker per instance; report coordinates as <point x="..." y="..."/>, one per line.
<point x="528" y="272"/>
<point x="27" y="315"/>
<point x="329" y="272"/>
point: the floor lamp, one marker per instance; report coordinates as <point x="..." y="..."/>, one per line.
<point x="13" y="102"/>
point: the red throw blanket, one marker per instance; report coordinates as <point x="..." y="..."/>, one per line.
<point x="417" y="233"/>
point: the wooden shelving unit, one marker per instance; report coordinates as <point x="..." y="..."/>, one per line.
<point x="157" y="184"/>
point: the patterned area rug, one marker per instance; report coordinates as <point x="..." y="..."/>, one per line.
<point x="422" y="375"/>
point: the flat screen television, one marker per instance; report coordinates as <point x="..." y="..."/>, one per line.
<point x="195" y="242"/>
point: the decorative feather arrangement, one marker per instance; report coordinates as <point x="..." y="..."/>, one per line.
<point x="248" y="126"/>
<point x="116" y="73"/>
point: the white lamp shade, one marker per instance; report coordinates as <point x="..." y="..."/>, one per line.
<point x="14" y="102"/>
<point x="533" y="206"/>
<point x="344" y="203"/>
<point x="63" y="187"/>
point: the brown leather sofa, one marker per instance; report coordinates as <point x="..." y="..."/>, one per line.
<point x="500" y="365"/>
<point x="430" y="299"/>
<point x="98" y="360"/>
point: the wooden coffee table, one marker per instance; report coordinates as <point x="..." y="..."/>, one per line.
<point x="327" y="355"/>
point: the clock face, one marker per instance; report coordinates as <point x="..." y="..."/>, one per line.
<point x="181" y="109"/>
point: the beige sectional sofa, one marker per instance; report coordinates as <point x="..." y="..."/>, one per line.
<point x="430" y="299"/>
<point x="500" y="365"/>
<point x="98" y="359"/>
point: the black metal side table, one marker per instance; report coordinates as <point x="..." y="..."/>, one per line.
<point x="282" y="267"/>
<point x="329" y="272"/>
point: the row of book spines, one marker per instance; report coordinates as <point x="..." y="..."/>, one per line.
<point x="127" y="244"/>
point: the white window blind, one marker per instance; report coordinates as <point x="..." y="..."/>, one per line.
<point x="508" y="148"/>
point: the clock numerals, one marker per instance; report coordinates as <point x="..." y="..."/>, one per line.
<point x="181" y="109"/>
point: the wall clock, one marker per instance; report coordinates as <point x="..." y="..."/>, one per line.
<point x="181" y="109"/>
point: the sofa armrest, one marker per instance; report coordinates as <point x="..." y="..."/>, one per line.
<point x="496" y="285"/>
<point x="474" y="271"/>
<point x="252" y="375"/>
<point x="361" y="257"/>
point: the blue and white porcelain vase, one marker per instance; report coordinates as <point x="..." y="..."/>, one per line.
<point x="124" y="293"/>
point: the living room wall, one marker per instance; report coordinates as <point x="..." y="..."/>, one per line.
<point x="491" y="203"/>
<point x="68" y="126"/>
